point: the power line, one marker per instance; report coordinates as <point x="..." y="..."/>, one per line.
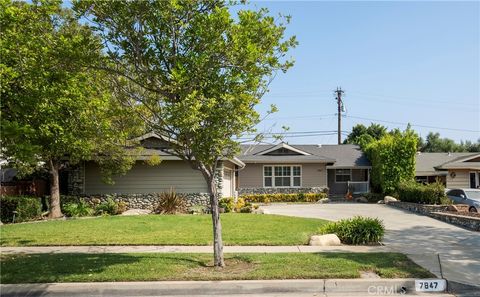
<point x="413" y="125"/>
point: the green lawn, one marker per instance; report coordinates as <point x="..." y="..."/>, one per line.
<point x="142" y="267"/>
<point x="238" y="229"/>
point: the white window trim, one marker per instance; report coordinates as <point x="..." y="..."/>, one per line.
<point x="291" y="175"/>
<point x="342" y="182"/>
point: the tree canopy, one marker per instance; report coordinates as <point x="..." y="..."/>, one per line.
<point x="197" y="69"/>
<point x="434" y="143"/>
<point x="55" y="107"/>
<point x="361" y="134"/>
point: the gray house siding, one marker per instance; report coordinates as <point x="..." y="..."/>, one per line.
<point x="313" y="175"/>
<point x="143" y="178"/>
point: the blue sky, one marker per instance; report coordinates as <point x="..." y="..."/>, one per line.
<point x="398" y="62"/>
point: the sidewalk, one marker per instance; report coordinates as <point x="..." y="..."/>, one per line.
<point x="191" y="249"/>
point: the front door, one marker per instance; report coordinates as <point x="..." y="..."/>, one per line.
<point x="227" y="183"/>
<point x="474" y="182"/>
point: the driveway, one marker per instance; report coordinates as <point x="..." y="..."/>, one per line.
<point x="423" y="239"/>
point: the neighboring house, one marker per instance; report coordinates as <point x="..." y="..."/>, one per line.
<point x="144" y="179"/>
<point x="455" y="170"/>
<point x="303" y="168"/>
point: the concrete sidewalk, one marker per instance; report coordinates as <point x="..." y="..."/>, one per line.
<point x="190" y="249"/>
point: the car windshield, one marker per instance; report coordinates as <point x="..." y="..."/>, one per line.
<point x="475" y="195"/>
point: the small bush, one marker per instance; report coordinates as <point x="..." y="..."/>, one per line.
<point x="108" y="207"/>
<point x="280" y="197"/>
<point x="357" y="230"/>
<point x="171" y="203"/>
<point x="227" y="203"/>
<point x="240" y="204"/>
<point x="423" y="194"/>
<point x="246" y="209"/>
<point x="80" y="209"/>
<point x="122" y="206"/>
<point x="27" y="208"/>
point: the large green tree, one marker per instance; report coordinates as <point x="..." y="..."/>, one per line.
<point x="393" y="159"/>
<point x="434" y="143"/>
<point x="55" y="110"/>
<point x="363" y="135"/>
<point x="198" y="69"/>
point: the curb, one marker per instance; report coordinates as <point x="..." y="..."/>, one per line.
<point x="190" y="288"/>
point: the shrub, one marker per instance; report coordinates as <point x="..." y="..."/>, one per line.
<point x="80" y="209"/>
<point x="240" y="204"/>
<point x="357" y="230"/>
<point x="280" y="197"/>
<point x="171" y="203"/>
<point x="27" y="208"/>
<point x="227" y="203"/>
<point x="418" y="193"/>
<point x="108" y="207"/>
<point x="122" y="206"/>
<point x="393" y="159"/>
<point x="246" y="209"/>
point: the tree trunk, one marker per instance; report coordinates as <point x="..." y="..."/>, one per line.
<point x="55" y="210"/>
<point x="217" y="226"/>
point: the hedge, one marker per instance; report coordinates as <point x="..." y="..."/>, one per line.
<point x="27" y="208"/>
<point x="423" y="194"/>
<point x="279" y="197"/>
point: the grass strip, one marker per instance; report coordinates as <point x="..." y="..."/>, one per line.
<point x="42" y="268"/>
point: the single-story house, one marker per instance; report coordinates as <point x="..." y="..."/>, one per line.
<point x="303" y="168"/>
<point x="455" y="170"/>
<point x="258" y="169"/>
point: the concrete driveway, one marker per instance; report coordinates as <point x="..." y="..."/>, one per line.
<point x="423" y="239"/>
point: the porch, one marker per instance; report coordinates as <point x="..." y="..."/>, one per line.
<point x="341" y="180"/>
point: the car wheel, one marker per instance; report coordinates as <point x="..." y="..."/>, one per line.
<point x="472" y="209"/>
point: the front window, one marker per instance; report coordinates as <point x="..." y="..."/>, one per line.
<point x="342" y="175"/>
<point x="282" y="176"/>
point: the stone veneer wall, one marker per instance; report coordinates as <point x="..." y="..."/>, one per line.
<point x="76" y="179"/>
<point x="439" y="212"/>
<point x="424" y="209"/>
<point x="243" y="191"/>
<point x="471" y="223"/>
<point x="146" y="201"/>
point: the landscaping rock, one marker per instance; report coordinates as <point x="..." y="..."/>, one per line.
<point x="324" y="200"/>
<point x="325" y="240"/>
<point x="388" y="199"/>
<point x="258" y="211"/>
<point x="380" y="202"/>
<point x="361" y="200"/>
<point x="136" y="212"/>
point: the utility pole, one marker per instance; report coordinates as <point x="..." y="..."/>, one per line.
<point x="339" y="92"/>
